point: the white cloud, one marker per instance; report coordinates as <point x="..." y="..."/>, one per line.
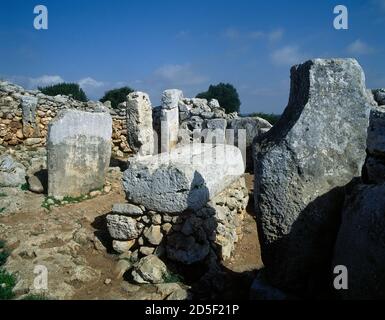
<point x="45" y="80"/>
<point x="90" y="83"/>
<point x="231" y="33"/>
<point x="288" y="55"/>
<point x="254" y="35"/>
<point x="176" y="74"/>
<point x="235" y="34"/>
<point x="275" y="35"/>
<point x="359" y="47"/>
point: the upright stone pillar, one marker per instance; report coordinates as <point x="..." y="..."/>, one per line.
<point x="170" y="119"/>
<point x="79" y="151"/>
<point x="140" y="134"/>
<point x="30" y="127"/>
<point x="302" y="166"/>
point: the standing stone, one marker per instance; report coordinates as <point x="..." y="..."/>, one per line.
<point x="185" y="178"/>
<point x="301" y="167"/>
<point x="140" y="135"/>
<point x="79" y="151"/>
<point x="30" y="126"/>
<point x="170" y="119"/>
<point x="360" y="244"/>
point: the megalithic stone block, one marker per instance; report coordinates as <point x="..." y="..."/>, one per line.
<point x="301" y="168"/>
<point x="185" y="178"/>
<point x="79" y="151"/>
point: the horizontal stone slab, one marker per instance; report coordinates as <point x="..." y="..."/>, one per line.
<point x="185" y="178"/>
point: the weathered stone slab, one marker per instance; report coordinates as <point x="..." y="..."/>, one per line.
<point x="301" y="167"/>
<point x="360" y="244"/>
<point x="185" y="178"/>
<point x="79" y="151"/>
<point x="140" y="135"/>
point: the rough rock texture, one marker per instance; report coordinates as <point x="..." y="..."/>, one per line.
<point x="185" y="178"/>
<point x="30" y="126"/>
<point x="79" y="151"/>
<point x="379" y="96"/>
<point x="139" y="123"/>
<point x="12" y="173"/>
<point x="215" y="131"/>
<point x="122" y="227"/>
<point x="150" y="269"/>
<point x="26" y="114"/>
<point x="301" y="167"/>
<point x="375" y="162"/>
<point x="360" y="243"/>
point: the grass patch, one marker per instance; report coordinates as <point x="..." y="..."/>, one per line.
<point x="2" y="194"/>
<point x="172" y="278"/>
<point x="48" y="202"/>
<point x="7" y="283"/>
<point x="35" y="297"/>
<point x="24" y="187"/>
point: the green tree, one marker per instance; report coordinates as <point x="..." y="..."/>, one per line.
<point x="67" y="89"/>
<point x="226" y="95"/>
<point x="117" y="96"/>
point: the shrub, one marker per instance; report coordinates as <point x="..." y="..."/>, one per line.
<point x="117" y="96"/>
<point x="7" y="283"/>
<point x="226" y="95"/>
<point x="68" y="89"/>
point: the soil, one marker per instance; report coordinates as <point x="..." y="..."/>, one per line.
<point x="89" y="217"/>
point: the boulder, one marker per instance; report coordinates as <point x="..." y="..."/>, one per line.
<point x="254" y="126"/>
<point x="379" y="96"/>
<point x="375" y="162"/>
<point x="127" y="209"/>
<point x="150" y="269"/>
<point x="185" y="178"/>
<point x="301" y="168"/>
<point x="140" y="135"/>
<point x="122" y="227"/>
<point x="12" y="173"/>
<point x="215" y="131"/>
<point x="34" y="183"/>
<point x="360" y="244"/>
<point x="376" y="132"/>
<point x="153" y="235"/>
<point x="78" y="152"/>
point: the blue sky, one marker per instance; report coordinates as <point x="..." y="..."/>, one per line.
<point x="156" y="45"/>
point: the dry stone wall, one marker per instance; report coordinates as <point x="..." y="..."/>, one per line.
<point x="25" y="115"/>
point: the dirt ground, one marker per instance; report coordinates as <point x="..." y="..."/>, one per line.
<point x="36" y="234"/>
